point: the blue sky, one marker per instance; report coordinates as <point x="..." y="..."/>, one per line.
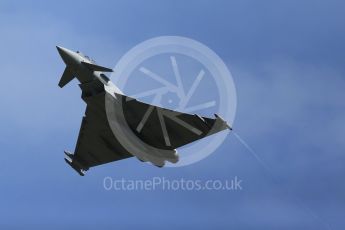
<point x="287" y="60"/>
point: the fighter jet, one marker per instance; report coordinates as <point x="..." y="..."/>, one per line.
<point x="116" y="126"/>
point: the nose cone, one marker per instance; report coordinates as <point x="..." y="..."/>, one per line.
<point x="59" y="48"/>
<point x="63" y="51"/>
<point x="67" y="55"/>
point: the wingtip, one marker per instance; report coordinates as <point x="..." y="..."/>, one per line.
<point x="221" y="119"/>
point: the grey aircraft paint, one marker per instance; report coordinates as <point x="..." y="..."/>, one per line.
<point x="117" y="127"/>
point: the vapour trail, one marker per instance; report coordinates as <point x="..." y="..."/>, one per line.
<point x="300" y="203"/>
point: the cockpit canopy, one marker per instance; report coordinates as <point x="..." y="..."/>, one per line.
<point x="85" y="56"/>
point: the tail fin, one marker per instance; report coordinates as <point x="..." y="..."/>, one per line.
<point x="67" y="76"/>
<point x="69" y="158"/>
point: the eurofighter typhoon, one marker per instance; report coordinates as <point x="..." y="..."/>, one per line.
<point x="116" y="127"/>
